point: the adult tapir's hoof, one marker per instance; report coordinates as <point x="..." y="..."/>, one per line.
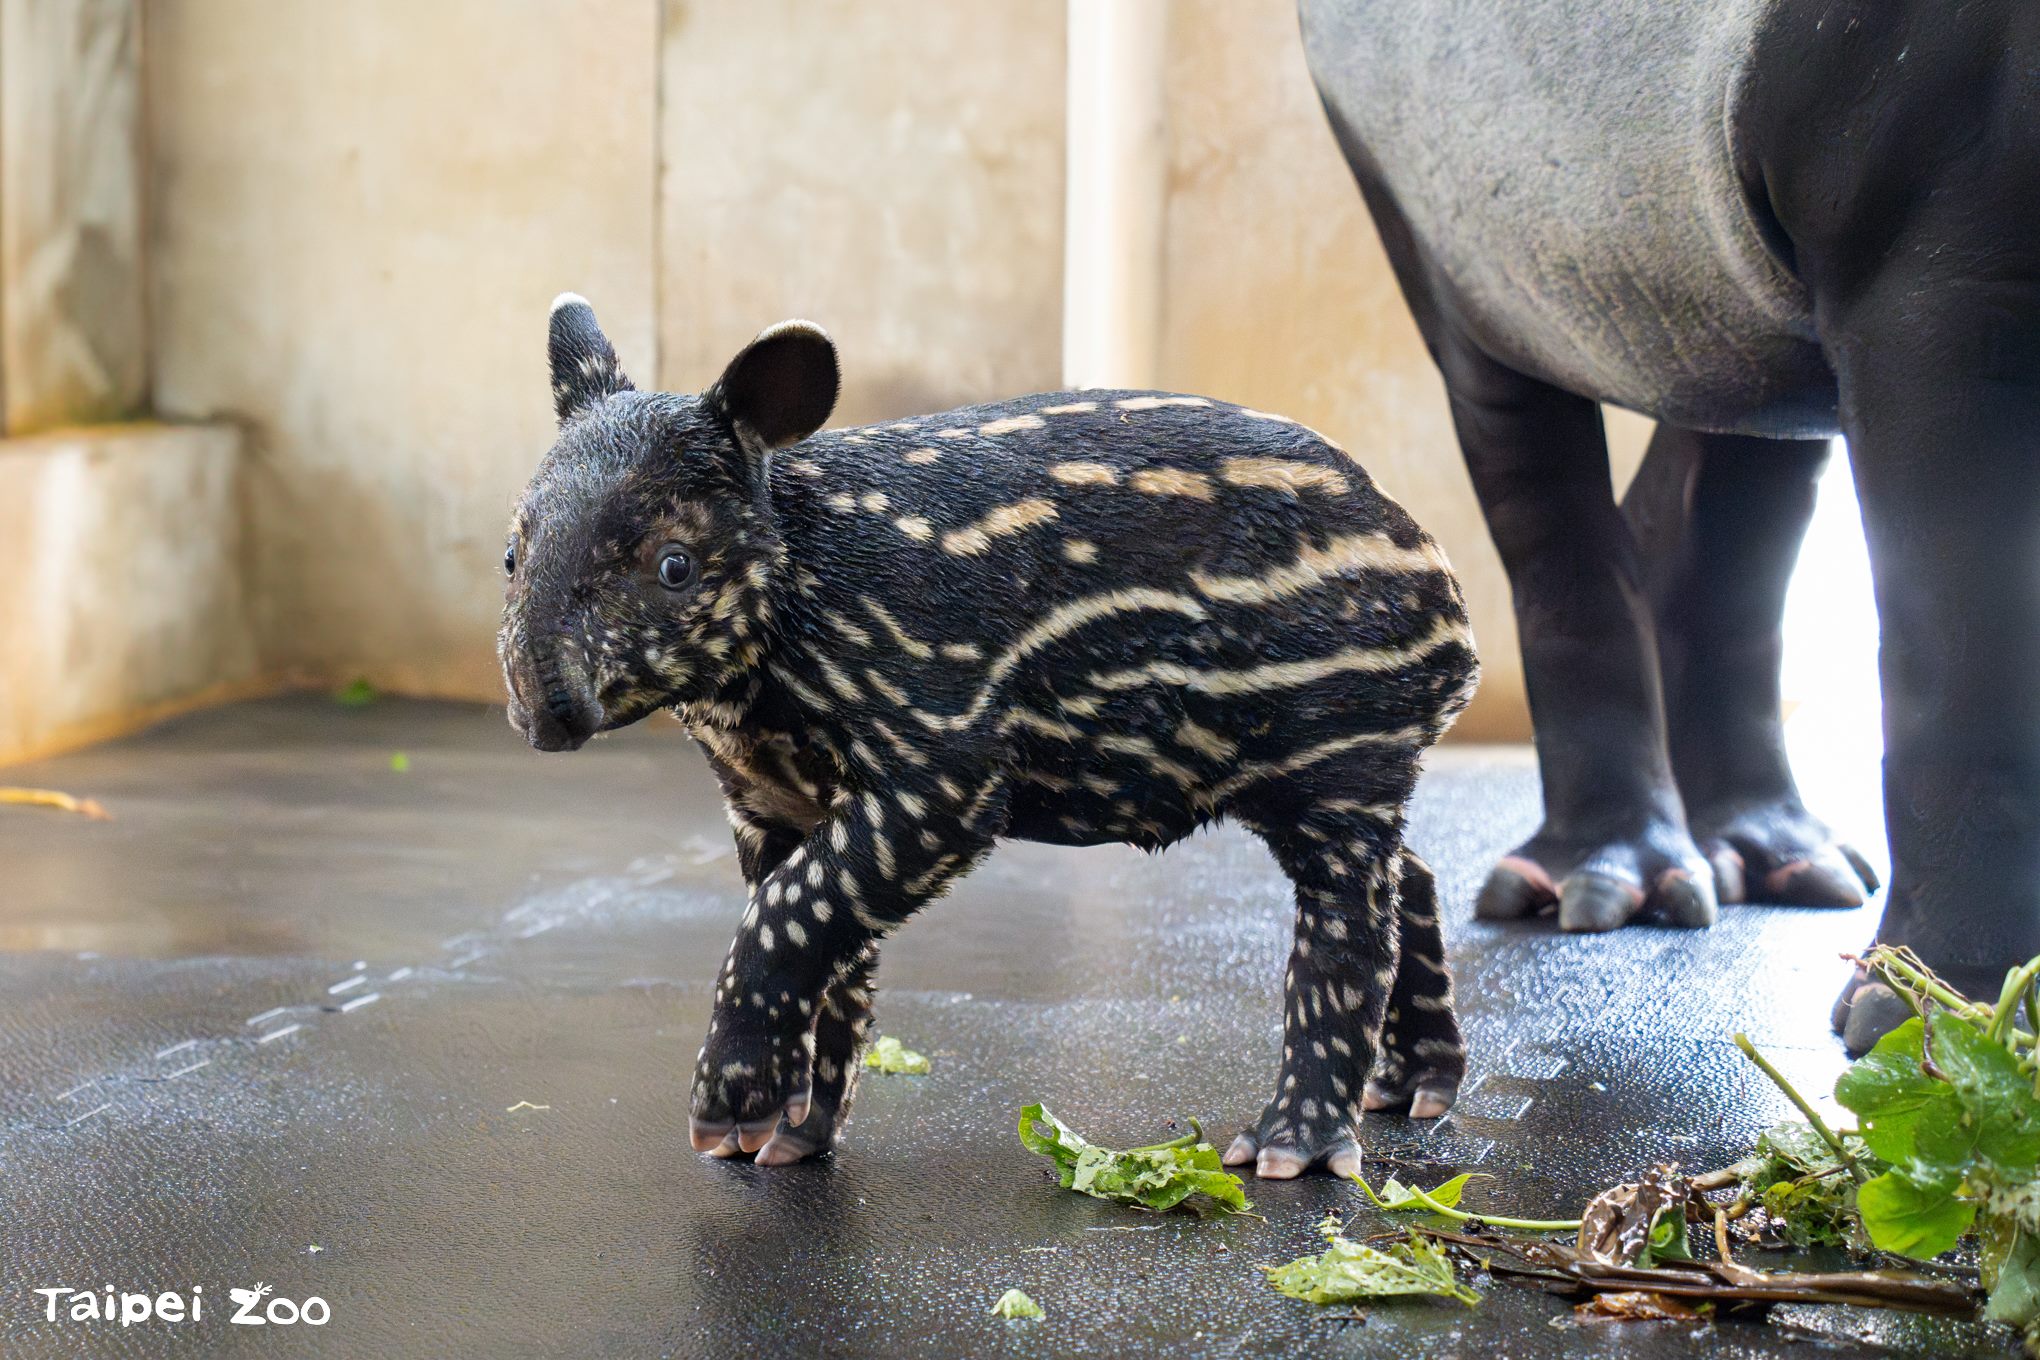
<point x="1658" y="875"/>
<point x="1865" y="1012"/>
<point x="1780" y="853"/>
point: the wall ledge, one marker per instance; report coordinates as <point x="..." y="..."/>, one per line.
<point x="121" y="595"/>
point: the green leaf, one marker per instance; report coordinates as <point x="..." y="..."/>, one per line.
<point x="1396" y="1198"/>
<point x="890" y="1055"/>
<point x="1911" y="1219"/>
<point x="1158" y="1178"/>
<point x="1041" y="1132"/>
<point x="1807" y="1193"/>
<point x="1891" y="1092"/>
<point x="2011" y="1270"/>
<point x="1667" y="1240"/>
<point x="1014" y="1304"/>
<point x="1998" y="1105"/>
<point x="356" y="693"/>
<point x="1347" y="1272"/>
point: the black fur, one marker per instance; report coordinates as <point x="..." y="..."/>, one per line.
<point x="1077" y="617"/>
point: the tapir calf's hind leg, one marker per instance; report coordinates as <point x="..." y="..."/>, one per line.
<point x="1346" y="860"/>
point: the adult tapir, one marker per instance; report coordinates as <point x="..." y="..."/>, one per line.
<point x="1763" y="223"/>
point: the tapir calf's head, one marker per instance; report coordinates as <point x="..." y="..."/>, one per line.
<point x="643" y="556"/>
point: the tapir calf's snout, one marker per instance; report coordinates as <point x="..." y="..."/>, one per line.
<point x="553" y="703"/>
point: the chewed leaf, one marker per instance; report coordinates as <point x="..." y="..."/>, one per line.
<point x="1159" y="1177"/>
<point x="1041" y="1132"/>
<point x="1347" y="1272"/>
<point x="1014" y="1304"/>
<point x="890" y="1055"/>
<point x="1638" y="1223"/>
<point x="1395" y="1197"/>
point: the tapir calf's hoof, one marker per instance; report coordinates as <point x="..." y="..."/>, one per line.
<point x="727" y="1138"/>
<point x="1283" y="1161"/>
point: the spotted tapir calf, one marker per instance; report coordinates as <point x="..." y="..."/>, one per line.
<point x="1080" y="617"/>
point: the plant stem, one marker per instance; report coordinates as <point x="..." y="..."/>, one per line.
<point x="1190" y="1139"/>
<point x="1519" y="1224"/>
<point x="1742" y="1041"/>
<point x="1903" y="976"/>
<point x="2016" y="984"/>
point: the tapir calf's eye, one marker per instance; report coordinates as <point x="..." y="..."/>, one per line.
<point x="676" y="569"/>
<point x="510" y="560"/>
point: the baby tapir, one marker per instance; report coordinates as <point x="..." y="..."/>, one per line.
<point x="1078" y="617"/>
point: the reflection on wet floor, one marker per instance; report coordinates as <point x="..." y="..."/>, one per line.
<point x="438" y="1024"/>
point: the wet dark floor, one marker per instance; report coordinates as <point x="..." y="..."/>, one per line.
<point x="416" y="1042"/>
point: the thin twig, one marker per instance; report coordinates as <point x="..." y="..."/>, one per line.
<point x="52" y="798"/>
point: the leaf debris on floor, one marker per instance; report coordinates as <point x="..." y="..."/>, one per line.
<point x="1347" y="1271"/>
<point x="1948" y="1149"/>
<point x="1014" y="1304"/>
<point x="889" y="1055"/>
<point x="1157" y="1177"/>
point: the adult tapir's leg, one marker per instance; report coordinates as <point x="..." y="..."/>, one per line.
<point x="1900" y="159"/>
<point x="1940" y="384"/>
<point x="1614" y="838"/>
<point x="1719" y="519"/>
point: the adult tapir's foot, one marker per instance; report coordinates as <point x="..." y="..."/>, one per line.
<point x="1865" y="1012"/>
<point x="1775" y="851"/>
<point x="1867" y="1009"/>
<point x="1657" y="873"/>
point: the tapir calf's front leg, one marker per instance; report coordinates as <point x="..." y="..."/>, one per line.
<point x="810" y="926"/>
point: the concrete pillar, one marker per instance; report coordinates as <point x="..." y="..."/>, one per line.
<point x="73" y="333"/>
<point x="1117" y="167"/>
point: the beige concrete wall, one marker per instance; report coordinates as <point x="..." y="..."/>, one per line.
<point x="360" y="271"/>
<point x="73" y="342"/>
<point x="1277" y="295"/>
<point x="359" y="214"/>
<point x="892" y="169"/>
<point x="121" y="597"/>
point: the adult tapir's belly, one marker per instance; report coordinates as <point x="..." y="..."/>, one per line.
<point x="1567" y="166"/>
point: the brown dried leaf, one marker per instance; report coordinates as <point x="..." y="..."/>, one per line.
<point x="1638" y="1305"/>
<point x="1615" y="1228"/>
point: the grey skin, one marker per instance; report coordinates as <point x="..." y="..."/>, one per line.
<point x="1763" y="223"/>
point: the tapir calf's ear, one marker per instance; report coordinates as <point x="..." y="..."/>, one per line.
<point x="783" y="385"/>
<point x="584" y="366"/>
